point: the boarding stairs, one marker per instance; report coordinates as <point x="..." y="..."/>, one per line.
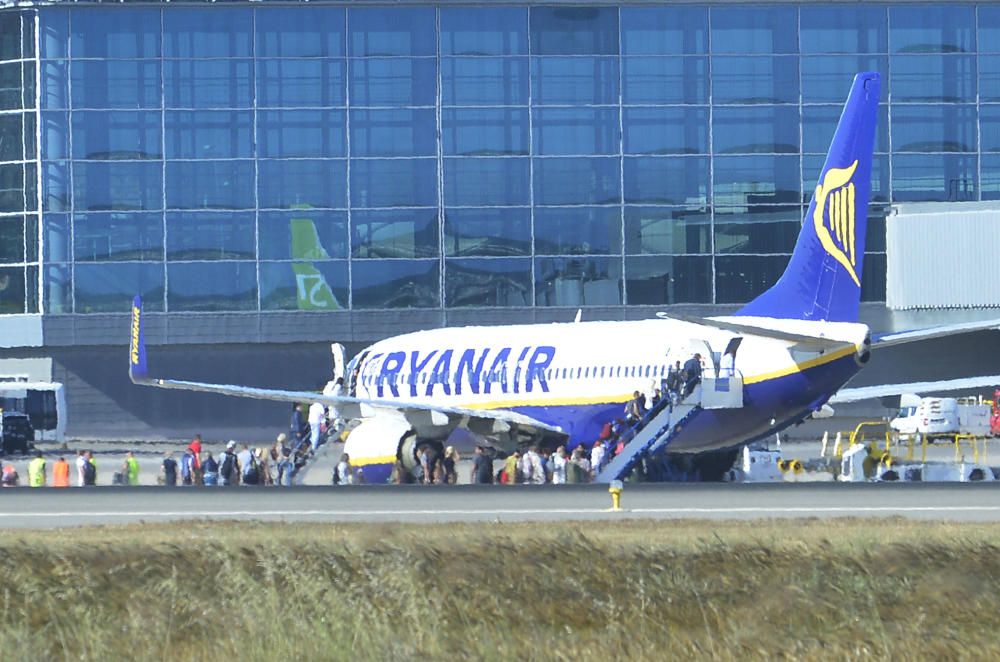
<point x="662" y="423"/>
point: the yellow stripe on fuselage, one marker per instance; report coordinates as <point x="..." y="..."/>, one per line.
<point x="365" y="461"/>
<point x="799" y="367"/>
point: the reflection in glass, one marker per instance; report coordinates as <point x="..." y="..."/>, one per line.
<point x="377" y="31"/>
<point x="12" y="137"/>
<point x="574" y="81"/>
<point x="487" y="232"/>
<point x="113" y="33"/>
<point x="989" y="78"/>
<point x="210" y="236"/>
<point x="739" y="279"/>
<point x="667" y="230"/>
<point x="12" y="191"/>
<point x="55" y="135"/>
<point x="117" y="185"/>
<point x="989" y="28"/>
<point x="210" y="185"/>
<point x="820" y="122"/>
<point x="300" y="83"/>
<point x="830" y="29"/>
<point x="11" y="239"/>
<point x="484" y="30"/>
<point x="208" y="134"/>
<point x="664" y="30"/>
<point x="662" y="279"/>
<point x="578" y="231"/>
<point x="394" y="183"/>
<point x="316" y="286"/>
<point x="947" y="128"/>
<point x="665" y="130"/>
<point x="757" y="230"/>
<point x="109" y="288"/>
<point x="311" y="32"/>
<point x="56" y="228"/>
<point x="991" y="176"/>
<point x="116" y="237"/>
<point x="755" y="79"/>
<point x="934" y="78"/>
<point x="207" y="83"/>
<point x="393" y="132"/>
<point x="212" y="286"/>
<point x="110" y="84"/>
<point x="102" y="135"/>
<point x="484" y="81"/>
<point x="578" y="281"/>
<point x="302" y="234"/>
<point x="495" y="283"/>
<point x="934" y="177"/>
<point x="942" y="28"/>
<point x="666" y="180"/>
<point x="12" y="293"/>
<point x="398" y="233"/>
<point x="755" y="180"/>
<point x="395" y="284"/>
<point x="393" y="82"/>
<point x="286" y="184"/>
<point x="206" y="32"/>
<point x="53" y="32"/>
<point x="54" y="81"/>
<point x="873" y="277"/>
<point x="812" y="166"/>
<point x="577" y="181"/>
<point x="569" y="131"/>
<point x="665" y="80"/>
<point x="574" y="30"/>
<point x="989" y="118"/>
<point x="760" y="130"/>
<point x="300" y="133"/>
<point x="768" y="29"/>
<point x="56" y="194"/>
<point x="484" y="131"/>
<point x="473" y="182"/>
<point x="58" y="289"/>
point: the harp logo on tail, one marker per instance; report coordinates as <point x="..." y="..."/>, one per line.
<point x="835" y="195"/>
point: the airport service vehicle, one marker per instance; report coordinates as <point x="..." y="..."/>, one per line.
<point x="43" y="402"/>
<point x="768" y="366"/>
<point x="16" y="433"/>
<point x="941" y="417"/>
<point x="995" y="414"/>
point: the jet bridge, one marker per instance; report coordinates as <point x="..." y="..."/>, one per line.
<point x="665" y="420"/>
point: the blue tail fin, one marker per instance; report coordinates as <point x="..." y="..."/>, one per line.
<point x="823" y="278"/>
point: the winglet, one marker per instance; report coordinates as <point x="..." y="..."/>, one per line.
<point x="137" y="347"/>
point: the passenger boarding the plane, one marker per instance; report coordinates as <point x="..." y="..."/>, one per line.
<point x="675" y="382"/>
<point x="692" y="374"/>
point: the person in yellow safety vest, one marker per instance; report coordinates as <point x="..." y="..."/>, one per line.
<point x="132" y="468"/>
<point x="36" y="471"/>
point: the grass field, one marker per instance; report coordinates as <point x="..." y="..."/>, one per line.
<point x="641" y="590"/>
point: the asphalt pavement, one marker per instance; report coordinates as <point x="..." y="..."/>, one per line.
<point x="54" y="508"/>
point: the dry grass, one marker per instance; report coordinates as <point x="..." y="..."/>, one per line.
<point x="798" y="590"/>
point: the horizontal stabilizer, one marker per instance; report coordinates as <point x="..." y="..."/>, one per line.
<point x="903" y="337"/>
<point x="870" y="392"/>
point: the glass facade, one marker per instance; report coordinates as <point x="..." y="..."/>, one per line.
<point x="316" y="157"/>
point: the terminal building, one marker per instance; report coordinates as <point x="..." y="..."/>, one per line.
<point x="271" y="177"/>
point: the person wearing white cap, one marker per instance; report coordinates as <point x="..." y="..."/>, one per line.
<point x="229" y="466"/>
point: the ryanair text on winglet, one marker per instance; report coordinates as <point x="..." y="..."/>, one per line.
<point x="134" y="353"/>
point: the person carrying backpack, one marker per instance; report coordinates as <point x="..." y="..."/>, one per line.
<point x="251" y="469"/>
<point x="229" y="466"/>
<point x="210" y="469"/>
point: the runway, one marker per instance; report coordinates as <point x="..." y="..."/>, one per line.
<point x="56" y="508"/>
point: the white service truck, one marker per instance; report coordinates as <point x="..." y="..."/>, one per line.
<point x="941" y="417"/>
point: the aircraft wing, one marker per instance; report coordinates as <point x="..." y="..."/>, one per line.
<point x="869" y="392"/>
<point x="902" y="337"/>
<point x="419" y="415"/>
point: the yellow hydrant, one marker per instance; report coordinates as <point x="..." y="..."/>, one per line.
<point x="615" y="489"/>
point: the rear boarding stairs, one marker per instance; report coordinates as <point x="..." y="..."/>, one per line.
<point x="663" y="422"/>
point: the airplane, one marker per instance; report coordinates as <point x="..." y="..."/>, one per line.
<point x="790" y="351"/>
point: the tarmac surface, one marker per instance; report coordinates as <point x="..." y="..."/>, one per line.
<point x="56" y="508"/>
